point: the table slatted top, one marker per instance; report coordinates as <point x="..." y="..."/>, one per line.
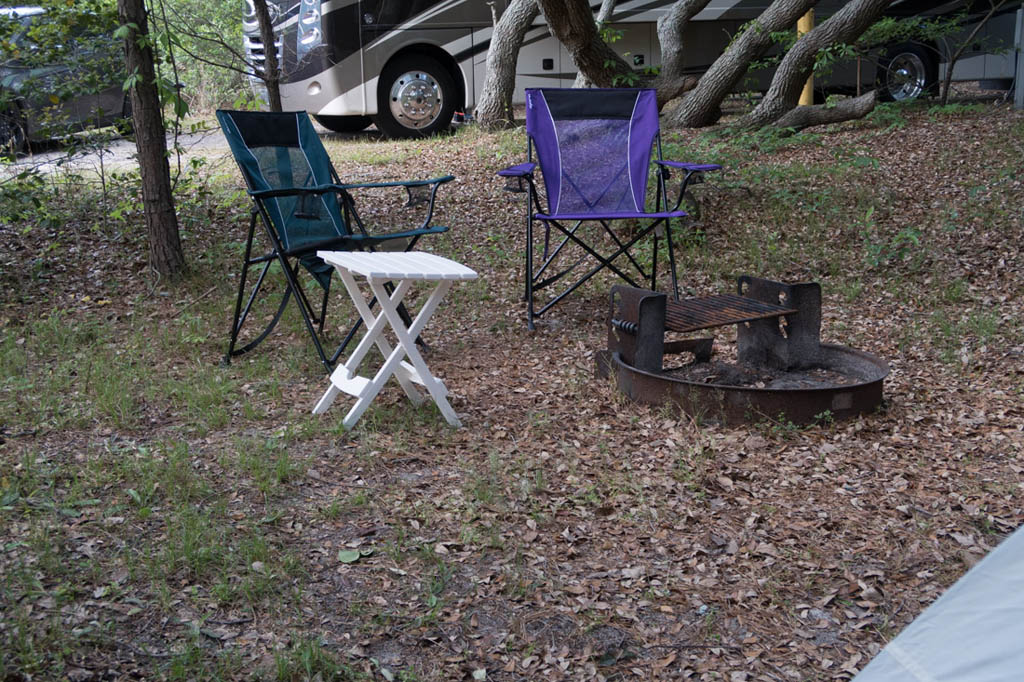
<point x="394" y="265"/>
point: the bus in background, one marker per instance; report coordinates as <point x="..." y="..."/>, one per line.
<point x="409" y="66"/>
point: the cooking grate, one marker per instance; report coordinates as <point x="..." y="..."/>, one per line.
<point x="691" y="314"/>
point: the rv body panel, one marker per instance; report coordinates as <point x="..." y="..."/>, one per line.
<point x="336" y="71"/>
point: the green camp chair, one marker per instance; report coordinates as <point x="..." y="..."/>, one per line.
<point x="304" y="207"/>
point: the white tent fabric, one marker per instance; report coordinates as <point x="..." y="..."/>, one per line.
<point x="974" y="632"/>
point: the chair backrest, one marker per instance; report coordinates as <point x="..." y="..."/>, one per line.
<point x="593" y="147"/>
<point x="281" y="150"/>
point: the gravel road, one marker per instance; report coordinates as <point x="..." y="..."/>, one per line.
<point x="118" y="153"/>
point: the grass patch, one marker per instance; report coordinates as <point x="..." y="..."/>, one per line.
<point x="168" y="517"/>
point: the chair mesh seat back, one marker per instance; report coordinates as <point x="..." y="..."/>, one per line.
<point x="283" y="151"/>
<point x="593" y="147"/>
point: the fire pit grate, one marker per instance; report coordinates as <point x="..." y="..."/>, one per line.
<point x="692" y="314"/>
<point x="782" y="370"/>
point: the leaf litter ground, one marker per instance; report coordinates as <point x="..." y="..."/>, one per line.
<point x="563" y="533"/>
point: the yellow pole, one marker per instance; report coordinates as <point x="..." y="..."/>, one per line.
<point x="803" y="25"/>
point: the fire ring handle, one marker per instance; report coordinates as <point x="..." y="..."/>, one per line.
<point x="627" y="327"/>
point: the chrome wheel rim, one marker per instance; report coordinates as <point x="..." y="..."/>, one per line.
<point x="415" y="99"/>
<point x="905" y="76"/>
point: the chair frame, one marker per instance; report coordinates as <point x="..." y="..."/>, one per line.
<point x="290" y="259"/>
<point x="660" y="218"/>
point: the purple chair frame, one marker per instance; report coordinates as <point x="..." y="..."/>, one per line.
<point x="594" y="147"/>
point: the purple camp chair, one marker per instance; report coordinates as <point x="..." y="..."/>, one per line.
<point x="594" y="150"/>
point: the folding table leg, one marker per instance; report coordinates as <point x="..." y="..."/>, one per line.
<point x="374" y="330"/>
<point x="344" y="376"/>
<point x="407" y="342"/>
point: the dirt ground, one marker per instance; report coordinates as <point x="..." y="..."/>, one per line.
<point x="562" y="533"/>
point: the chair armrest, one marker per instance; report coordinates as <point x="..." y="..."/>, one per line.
<point x="324" y="189"/>
<point x="521" y="170"/>
<point x="293" y="191"/>
<point x="405" y="234"/>
<point x="691" y="167"/>
<point x="359" y="240"/>
<point x="694" y="172"/>
<point x="398" y="183"/>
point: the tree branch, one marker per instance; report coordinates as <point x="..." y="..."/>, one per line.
<point x="671" y="80"/>
<point x="993" y="8"/>
<point x="572" y="23"/>
<point x="700" y="107"/>
<point x="604" y="15"/>
<point x="844" y="26"/>
<point x="845" y="110"/>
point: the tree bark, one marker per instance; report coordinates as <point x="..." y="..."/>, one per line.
<point x="271" y="73"/>
<point x="784" y="93"/>
<point x="820" y="114"/>
<point x="165" y="252"/>
<point x="494" y="110"/>
<point x="572" y="23"/>
<point x="700" y="107"/>
<point x="671" y="82"/>
<point x="604" y="15"/>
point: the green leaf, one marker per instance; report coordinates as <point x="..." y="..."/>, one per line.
<point x="125" y="30"/>
<point x="9" y="497"/>
<point x="349" y="556"/>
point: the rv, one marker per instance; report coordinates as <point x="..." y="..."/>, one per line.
<point x="411" y="65"/>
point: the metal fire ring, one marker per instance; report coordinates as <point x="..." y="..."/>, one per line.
<point x="743" y="404"/>
<point x="778" y="330"/>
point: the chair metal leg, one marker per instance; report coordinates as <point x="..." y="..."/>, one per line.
<point x="235" y="324"/>
<point x="672" y="259"/>
<point x="323" y="308"/>
<point x="654" y="261"/>
<point x="304" y="310"/>
<point x="529" y="265"/>
<point x="241" y="313"/>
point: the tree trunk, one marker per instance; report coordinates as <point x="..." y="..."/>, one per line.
<point x="572" y="23"/>
<point x="165" y="252"/>
<point x="820" y="114"/>
<point x="844" y="26"/>
<point x="494" y="110"/>
<point x="701" y="106"/>
<point x="604" y="15"/>
<point x="271" y="72"/>
<point x="671" y="82"/>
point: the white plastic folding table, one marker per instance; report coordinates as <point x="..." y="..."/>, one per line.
<point x="402" y="270"/>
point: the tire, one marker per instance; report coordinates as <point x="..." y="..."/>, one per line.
<point x="415" y="97"/>
<point x="343" y="124"/>
<point x="906" y="72"/>
<point x="13" y="139"/>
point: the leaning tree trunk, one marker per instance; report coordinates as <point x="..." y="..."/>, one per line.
<point x="165" y="252"/>
<point x="271" y="72"/>
<point x="701" y="106"/>
<point x="573" y="25"/>
<point x="671" y="81"/>
<point x="494" y="110"/>
<point x="820" y="114"/>
<point x="604" y="15"/>
<point x="844" y="26"/>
